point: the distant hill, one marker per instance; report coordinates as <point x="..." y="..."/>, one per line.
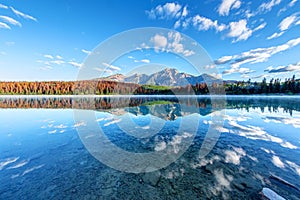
<point x="168" y="77"/>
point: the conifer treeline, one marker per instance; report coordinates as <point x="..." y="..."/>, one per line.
<point x="274" y="86"/>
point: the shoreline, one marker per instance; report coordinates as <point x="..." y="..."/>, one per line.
<point x="153" y="96"/>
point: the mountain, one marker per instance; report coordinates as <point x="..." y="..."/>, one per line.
<point x="168" y="77"/>
<point x="115" y="77"/>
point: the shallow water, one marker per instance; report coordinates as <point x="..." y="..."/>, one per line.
<point x="82" y="148"/>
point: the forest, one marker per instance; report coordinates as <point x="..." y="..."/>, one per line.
<point x="104" y="87"/>
<point x="274" y="86"/>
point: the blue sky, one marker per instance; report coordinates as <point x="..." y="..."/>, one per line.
<point x="49" y="40"/>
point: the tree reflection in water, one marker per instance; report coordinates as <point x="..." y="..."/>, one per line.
<point x="272" y="104"/>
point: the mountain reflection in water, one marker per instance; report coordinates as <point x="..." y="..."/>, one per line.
<point x="197" y="104"/>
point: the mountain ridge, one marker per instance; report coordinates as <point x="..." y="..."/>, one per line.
<point x="167" y="77"/>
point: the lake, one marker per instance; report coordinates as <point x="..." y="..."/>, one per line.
<point x="147" y="147"/>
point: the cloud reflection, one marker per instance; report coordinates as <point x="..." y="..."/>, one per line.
<point x="32" y="169"/>
<point x="21" y="164"/>
<point x="8" y="161"/>
<point x="222" y="183"/>
<point x="234" y="156"/>
<point x="114" y="121"/>
<point x="52" y="132"/>
<point x="78" y="124"/>
<point x="277" y="162"/>
<point x="256" y="133"/>
<point x="294" y="166"/>
<point x="295" y="122"/>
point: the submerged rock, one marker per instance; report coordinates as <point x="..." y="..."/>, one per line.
<point x="152" y="178"/>
<point x="198" y="186"/>
<point x="282" y="181"/>
<point x="270" y="194"/>
<point x="239" y="186"/>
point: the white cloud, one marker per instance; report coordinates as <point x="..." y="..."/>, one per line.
<point x="237" y="4"/>
<point x="275" y="35"/>
<point x="10" y="20"/>
<point x="287" y="22"/>
<point x="256" y="55"/>
<point x="288" y="68"/>
<point x="145" y="60"/>
<point x="260" y="76"/>
<point x="203" y="23"/>
<point x="61" y="126"/>
<point x="160" y="42"/>
<point x="263" y="25"/>
<point x="86" y="51"/>
<point x="59" y="57"/>
<point x="188" y="53"/>
<point x="226" y="5"/>
<point x="177" y="24"/>
<point x="3" y="6"/>
<point x="223" y="60"/>
<point x="292" y="3"/>
<point x="186" y="22"/>
<point x="238" y="70"/>
<point x="48" y="56"/>
<point x="249" y="14"/>
<point x="293" y="42"/>
<point x="75" y="64"/>
<point x="269" y="5"/>
<point x="4" y="26"/>
<point x="57" y="62"/>
<point x="103" y="70"/>
<point x="20" y="14"/>
<point x="184" y="12"/>
<point x="50" y="61"/>
<point x="46" y="68"/>
<point x="218" y="76"/>
<point x="170" y="43"/>
<point x="175" y="44"/>
<point x="239" y="30"/>
<point x="166" y="11"/>
<point x="143" y="46"/>
<point x="111" y="67"/>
